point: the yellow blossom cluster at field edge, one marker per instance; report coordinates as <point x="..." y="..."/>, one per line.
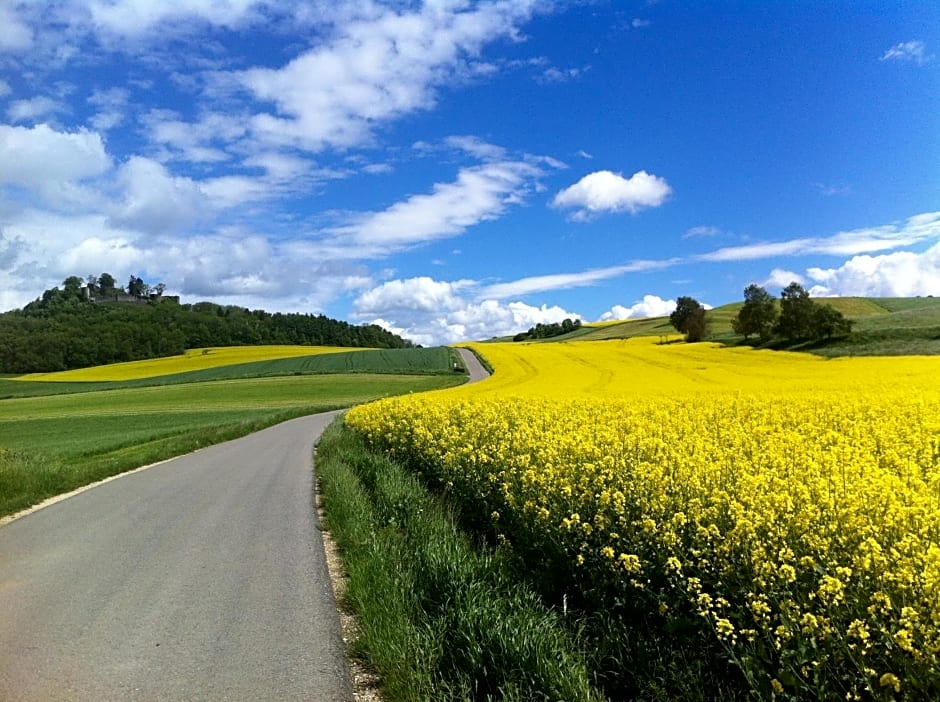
<point x="801" y="524"/>
<point x="194" y="359"/>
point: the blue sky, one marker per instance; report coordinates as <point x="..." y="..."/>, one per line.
<point x="459" y="170"/>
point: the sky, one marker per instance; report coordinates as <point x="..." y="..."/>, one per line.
<point x="456" y="170"/>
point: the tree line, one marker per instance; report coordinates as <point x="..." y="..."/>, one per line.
<point x="546" y="331"/>
<point x="63" y="329"/>
<point x="795" y="317"/>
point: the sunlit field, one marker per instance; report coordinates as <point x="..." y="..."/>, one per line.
<point x="786" y="505"/>
<point x="194" y="359"/>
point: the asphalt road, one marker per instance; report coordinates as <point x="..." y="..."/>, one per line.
<point x="474" y="367"/>
<point x="202" y="578"/>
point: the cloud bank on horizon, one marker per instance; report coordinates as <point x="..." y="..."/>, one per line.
<point x="467" y="169"/>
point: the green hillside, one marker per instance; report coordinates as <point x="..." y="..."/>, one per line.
<point x="881" y="326"/>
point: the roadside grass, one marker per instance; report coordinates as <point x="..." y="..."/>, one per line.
<point x="440" y="618"/>
<point x="57" y="443"/>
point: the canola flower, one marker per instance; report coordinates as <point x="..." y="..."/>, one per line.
<point x="791" y="504"/>
<point x="194" y="359"/>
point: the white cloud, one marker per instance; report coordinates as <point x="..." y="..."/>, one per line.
<point x="135" y="17"/>
<point x="780" y="278"/>
<point x="16" y="34"/>
<point x="112" y="104"/>
<point x="432" y="312"/>
<point x="198" y="142"/>
<point x="5" y="88"/>
<point x="605" y="191"/>
<point x="915" y="229"/>
<point x="638" y="23"/>
<point x="897" y="274"/>
<point x="480" y="193"/>
<point x="649" y="306"/>
<point x="476" y="147"/>
<point x="29" y="110"/>
<point x="155" y="201"/>
<point x="377" y="67"/>
<point x="51" y="163"/>
<point x="563" y="281"/>
<point x="558" y="75"/>
<point x="421" y="294"/>
<point x="705" y="230"/>
<point x="912" y="51"/>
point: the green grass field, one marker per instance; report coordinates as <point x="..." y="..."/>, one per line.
<point x="58" y="436"/>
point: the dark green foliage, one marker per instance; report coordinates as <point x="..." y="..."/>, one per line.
<point x="63" y="329"/>
<point x="689" y="318"/>
<point x="802" y="319"/>
<point x="828" y="322"/>
<point x="547" y="331"/>
<point x="758" y="315"/>
<point x="796" y="313"/>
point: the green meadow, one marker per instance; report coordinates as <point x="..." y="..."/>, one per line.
<point x="59" y="436"/>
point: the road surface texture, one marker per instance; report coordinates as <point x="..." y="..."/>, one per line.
<point x="202" y="578"/>
<point x="474" y="367"/>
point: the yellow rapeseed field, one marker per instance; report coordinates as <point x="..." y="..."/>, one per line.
<point x="789" y="503"/>
<point x="194" y="359"/>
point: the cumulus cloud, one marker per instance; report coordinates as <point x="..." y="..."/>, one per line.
<point x="376" y="67"/>
<point x="432" y="312"/>
<point x="780" y="278"/>
<point x="155" y="201"/>
<point x="605" y="191"/>
<point x="649" y="306"/>
<point x="910" y="51"/>
<point x="897" y="274"/>
<point x="51" y="163"/>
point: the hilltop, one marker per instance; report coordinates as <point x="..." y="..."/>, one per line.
<point x="81" y="325"/>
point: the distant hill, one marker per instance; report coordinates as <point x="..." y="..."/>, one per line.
<point x="882" y="326"/>
<point x="66" y="329"/>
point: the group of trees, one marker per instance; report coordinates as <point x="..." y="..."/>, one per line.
<point x="546" y="331"/>
<point x="795" y="317"/>
<point x="63" y="330"/>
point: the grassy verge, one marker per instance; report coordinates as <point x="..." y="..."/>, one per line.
<point x="440" y="619"/>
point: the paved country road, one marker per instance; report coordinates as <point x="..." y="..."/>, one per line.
<point x="474" y="367"/>
<point x="202" y="578"/>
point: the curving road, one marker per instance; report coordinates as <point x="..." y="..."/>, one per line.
<point x="202" y="578"/>
<point x="474" y="367"/>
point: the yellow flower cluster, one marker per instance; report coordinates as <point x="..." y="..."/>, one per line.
<point x="792" y="503"/>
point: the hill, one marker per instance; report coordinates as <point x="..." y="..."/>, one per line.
<point x="881" y="326"/>
<point x="69" y="328"/>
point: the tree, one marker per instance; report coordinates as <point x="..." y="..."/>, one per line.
<point x="689" y="318"/>
<point x="827" y="322"/>
<point x="758" y="314"/>
<point x="135" y="286"/>
<point x="796" y="313"/>
<point x="106" y="282"/>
